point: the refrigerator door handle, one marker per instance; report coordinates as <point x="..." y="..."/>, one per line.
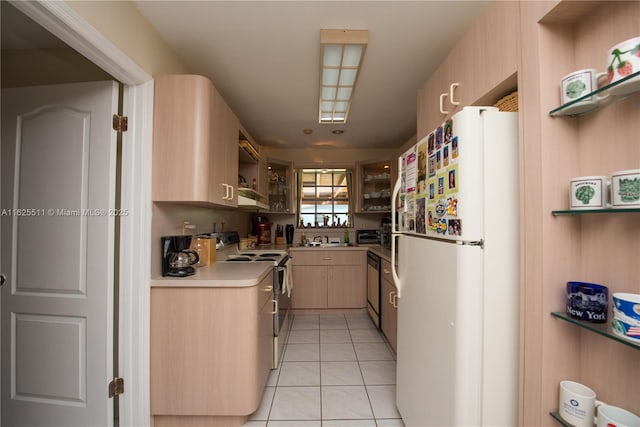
<point x="479" y="243"/>
<point x="394" y="199"/>
<point x="394" y="210"/>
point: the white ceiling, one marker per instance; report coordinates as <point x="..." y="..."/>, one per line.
<point x="263" y="56"/>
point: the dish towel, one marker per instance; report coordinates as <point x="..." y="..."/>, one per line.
<point x="288" y="278"/>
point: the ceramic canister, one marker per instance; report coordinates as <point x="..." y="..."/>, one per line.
<point x="580" y="83"/>
<point x="625" y="189"/>
<point x="588" y="192"/>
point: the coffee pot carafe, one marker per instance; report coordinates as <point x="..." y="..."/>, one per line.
<point x="177" y="258"/>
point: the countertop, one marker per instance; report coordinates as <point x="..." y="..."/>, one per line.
<point x="379" y="250"/>
<point x="220" y="275"/>
<point x="244" y="274"/>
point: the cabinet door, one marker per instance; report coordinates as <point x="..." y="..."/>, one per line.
<point x="346" y="287"/>
<point x="230" y="142"/>
<point x="389" y="314"/>
<point x="181" y="113"/>
<point x="223" y="158"/>
<point x="310" y="286"/>
<point x="374" y="187"/>
<point x="281" y="188"/>
<point x="265" y="338"/>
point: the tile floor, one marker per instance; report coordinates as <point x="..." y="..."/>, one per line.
<point x="337" y="371"/>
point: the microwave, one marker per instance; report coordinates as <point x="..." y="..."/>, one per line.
<point x="367" y="237"/>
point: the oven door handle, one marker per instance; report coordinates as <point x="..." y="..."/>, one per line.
<point x="275" y="306"/>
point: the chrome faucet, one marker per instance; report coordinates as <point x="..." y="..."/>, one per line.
<point x="317" y="239"/>
<point x="326" y="239"/>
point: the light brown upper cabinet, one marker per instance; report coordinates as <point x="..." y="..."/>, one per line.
<point x="375" y="185"/>
<point x="483" y="64"/>
<point x="195" y="143"/>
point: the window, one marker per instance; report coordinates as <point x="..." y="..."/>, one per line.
<point x="324" y="197"/>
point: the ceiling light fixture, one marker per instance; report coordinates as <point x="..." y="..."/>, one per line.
<point x="337" y="131"/>
<point x="341" y="54"/>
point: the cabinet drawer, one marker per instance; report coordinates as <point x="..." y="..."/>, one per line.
<point x="328" y="257"/>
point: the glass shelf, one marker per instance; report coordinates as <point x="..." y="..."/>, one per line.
<point x="603" y="329"/>
<point x="556" y="416"/>
<point x="592" y="211"/>
<point x="571" y="109"/>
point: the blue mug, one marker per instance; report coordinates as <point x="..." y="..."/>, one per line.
<point x="587" y="301"/>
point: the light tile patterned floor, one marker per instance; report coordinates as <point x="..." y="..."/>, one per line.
<point x="337" y="371"/>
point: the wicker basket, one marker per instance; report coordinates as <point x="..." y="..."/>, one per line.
<point x="508" y="103"/>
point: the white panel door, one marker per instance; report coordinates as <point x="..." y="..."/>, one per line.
<point x="58" y="184"/>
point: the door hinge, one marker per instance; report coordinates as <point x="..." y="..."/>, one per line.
<point x="116" y="387"/>
<point x="120" y="123"/>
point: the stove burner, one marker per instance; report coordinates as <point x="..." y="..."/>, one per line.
<point x="239" y="258"/>
<point x="265" y="259"/>
<point x="269" y="255"/>
<point x="248" y="254"/>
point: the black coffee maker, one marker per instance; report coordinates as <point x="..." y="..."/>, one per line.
<point x="177" y="258"/>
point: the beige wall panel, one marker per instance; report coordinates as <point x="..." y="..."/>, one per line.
<point x="531" y="216"/>
<point x="168" y="217"/>
<point x="123" y="25"/>
<point x="599" y="248"/>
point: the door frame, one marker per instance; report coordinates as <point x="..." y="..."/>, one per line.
<point x="135" y="244"/>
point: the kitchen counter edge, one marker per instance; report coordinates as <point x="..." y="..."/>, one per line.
<point x="219" y="275"/>
<point x="381" y="251"/>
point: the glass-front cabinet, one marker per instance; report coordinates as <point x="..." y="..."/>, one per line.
<point x="375" y="186"/>
<point x="280" y="186"/>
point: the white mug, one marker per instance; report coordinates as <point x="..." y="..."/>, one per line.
<point x="580" y="83"/>
<point x="577" y="404"/>
<point x="623" y="59"/>
<point x="612" y="416"/>
<point x="588" y="192"/>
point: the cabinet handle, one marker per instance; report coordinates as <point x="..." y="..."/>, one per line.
<point x="327" y="259"/>
<point x="451" y="89"/>
<point x="226" y="192"/>
<point x="232" y="192"/>
<point x="385" y="271"/>
<point x="275" y="306"/>
<point x="391" y="294"/>
<point x="268" y="288"/>
<point x="442" y="96"/>
<point x="395" y="300"/>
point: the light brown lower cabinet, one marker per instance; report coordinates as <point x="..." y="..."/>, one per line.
<point x="211" y="353"/>
<point x="388" y="306"/>
<point x="329" y="279"/>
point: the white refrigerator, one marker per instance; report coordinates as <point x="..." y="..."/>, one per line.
<point x="456" y="230"/>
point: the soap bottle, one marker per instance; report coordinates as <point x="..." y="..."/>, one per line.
<point x="346" y="236"/>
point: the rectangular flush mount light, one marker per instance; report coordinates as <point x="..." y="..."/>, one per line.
<point x="341" y="53"/>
